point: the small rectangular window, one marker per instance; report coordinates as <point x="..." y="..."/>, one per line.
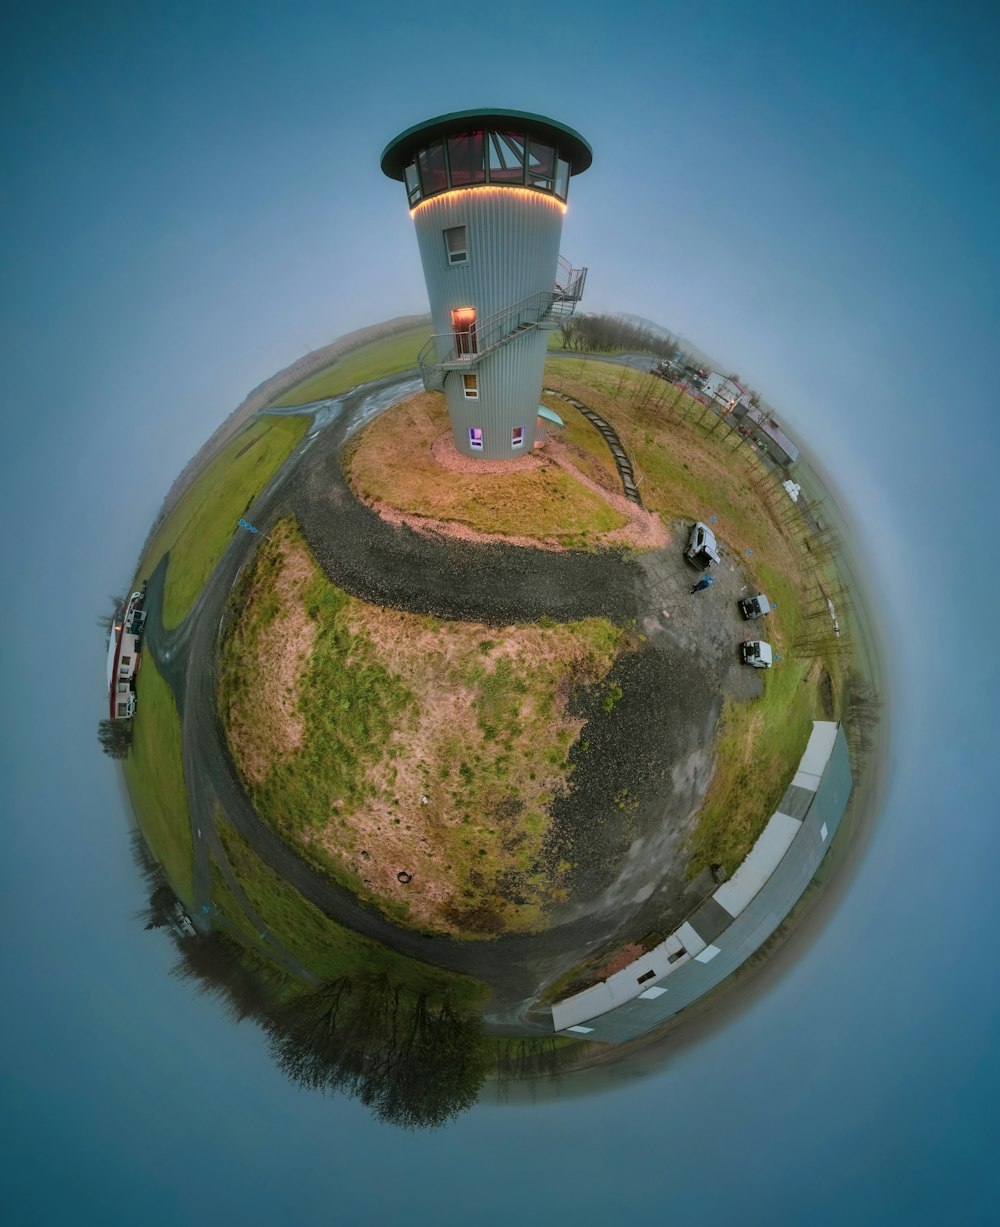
<point x="476" y="437"/>
<point x="470" y="385"/>
<point x="123" y="687"/>
<point x="126" y="660"/>
<point x="517" y="436"/>
<point x="122" y="709"/>
<point x="646" y="975"/>
<point x="455" y="245"/>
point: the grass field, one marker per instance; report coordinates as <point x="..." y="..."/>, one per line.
<point x="690" y="469"/>
<point x="586" y="445"/>
<point x="383" y="357"/>
<point x="396" y="743"/>
<point x="197" y="530"/>
<point x="155" y="778"/>
<point x="327" y="949"/>
<point x="543" y="503"/>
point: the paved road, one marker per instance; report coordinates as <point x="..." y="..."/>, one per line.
<point x="673" y="697"/>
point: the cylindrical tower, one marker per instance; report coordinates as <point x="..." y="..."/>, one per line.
<point x="487" y="192"/>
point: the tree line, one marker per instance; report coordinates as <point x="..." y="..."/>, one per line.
<point x="614" y="334"/>
<point x="416" y="1061"/>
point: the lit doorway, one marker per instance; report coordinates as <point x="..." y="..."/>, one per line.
<point x="463" y="326"/>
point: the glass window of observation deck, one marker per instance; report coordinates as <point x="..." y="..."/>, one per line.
<point x="562" y="178"/>
<point x="506" y="157"/>
<point x="465" y="158"/>
<point x="412" y="183"/>
<point x="433" y="177"/>
<point x="541" y="164"/>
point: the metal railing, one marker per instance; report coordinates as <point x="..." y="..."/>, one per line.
<point x="463" y="351"/>
<point x="570" y="282"/>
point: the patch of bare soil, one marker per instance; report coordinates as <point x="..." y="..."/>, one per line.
<point x="644" y="531"/>
<point x="264" y="723"/>
<point x="455" y="531"/>
<point x="619" y="961"/>
<point x="449" y="457"/>
<point x="456" y="821"/>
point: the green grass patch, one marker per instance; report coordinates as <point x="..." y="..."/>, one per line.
<point x="155" y="777"/>
<point x="587" y="447"/>
<point x="197" y="530"/>
<point x="419" y="746"/>
<point x="326" y="948"/>
<point x="351" y="705"/>
<point x="391" y="462"/>
<point x="367" y="362"/>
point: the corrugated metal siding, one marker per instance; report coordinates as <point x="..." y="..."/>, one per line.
<point x="513" y="242"/>
<point x="510" y="381"/>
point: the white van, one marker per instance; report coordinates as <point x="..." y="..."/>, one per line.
<point x="755" y="606"/>
<point x="757" y="653"/>
<point x="702" y="548"/>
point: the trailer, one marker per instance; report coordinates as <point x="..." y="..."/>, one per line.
<point x="124" y="652"/>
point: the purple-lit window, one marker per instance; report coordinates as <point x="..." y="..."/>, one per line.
<point x="465" y="158"/>
<point x="476" y="437"/>
<point x="432" y="170"/>
<point x="517" y="436"/>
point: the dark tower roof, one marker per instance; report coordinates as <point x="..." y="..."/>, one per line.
<point x="401" y="151"/>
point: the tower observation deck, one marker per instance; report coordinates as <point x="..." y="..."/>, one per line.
<point x="487" y="192"/>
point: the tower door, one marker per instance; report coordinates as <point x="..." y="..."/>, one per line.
<point x="463" y="325"/>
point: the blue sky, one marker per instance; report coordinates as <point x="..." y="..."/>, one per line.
<point x="191" y="199"/>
